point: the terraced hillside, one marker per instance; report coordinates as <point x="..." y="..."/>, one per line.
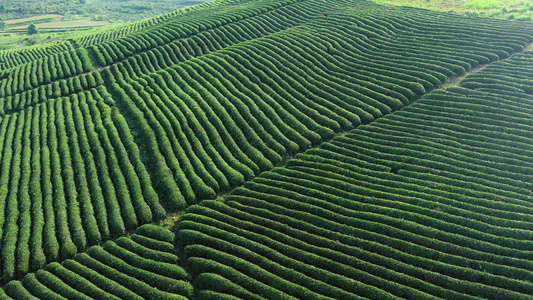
<point x="143" y="266"/>
<point x="340" y="168"/>
<point x="430" y="201"/>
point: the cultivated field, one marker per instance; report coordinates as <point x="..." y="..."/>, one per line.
<point x="510" y="9"/>
<point x="59" y="25"/>
<point x="304" y="149"/>
<point x="32" y="19"/>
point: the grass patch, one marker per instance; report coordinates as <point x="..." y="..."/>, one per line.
<point x="483" y="4"/>
<point x="499" y="9"/>
<point x="171" y="221"/>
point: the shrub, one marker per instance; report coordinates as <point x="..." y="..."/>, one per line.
<point x="156" y="232"/>
<point x="32" y="29"/>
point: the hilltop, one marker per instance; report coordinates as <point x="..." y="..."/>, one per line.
<point x="302" y="149"/>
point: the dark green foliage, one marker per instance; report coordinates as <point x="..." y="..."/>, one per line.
<point x="204" y="294"/>
<point x="17" y="291"/>
<point x="155" y="280"/>
<point x="31" y="283"/>
<point x="109" y="272"/>
<point x="153" y="243"/>
<point x="400" y="193"/>
<point x="65" y="193"/>
<point x="165" y="269"/>
<point x="211" y="285"/>
<point x="147" y="252"/>
<point x="155" y="232"/>
<point x="32" y="29"/>
<point x="58" y="286"/>
<point x="3" y="295"/>
<point x="103" y="134"/>
<point x="76" y="281"/>
<point x="157" y="164"/>
<point x="96" y="278"/>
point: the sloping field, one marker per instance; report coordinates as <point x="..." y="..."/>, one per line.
<point x="12" y="58"/>
<point x="143" y="266"/>
<point x="341" y="168"/>
<point x="430" y="201"/>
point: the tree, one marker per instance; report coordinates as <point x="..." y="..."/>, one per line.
<point x="32" y="29"/>
<point x="2" y="25"/>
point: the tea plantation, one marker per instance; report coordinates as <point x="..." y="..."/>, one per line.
<point x="311" y="150"/>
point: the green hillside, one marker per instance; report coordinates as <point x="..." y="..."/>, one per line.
<point x="308" y="149"/>
<point x="511" y="9"/>
<point x="123" y="10"/>
<point x="115" y="270"/>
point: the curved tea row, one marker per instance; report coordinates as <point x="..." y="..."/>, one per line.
<point x="142" y="266"/>
<point x="71" y="177"/>
<point x="430" y="201"/>
<point x="15" y="57"/>
<point x="222" y="118"/>
<point x="95" y="142"/>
